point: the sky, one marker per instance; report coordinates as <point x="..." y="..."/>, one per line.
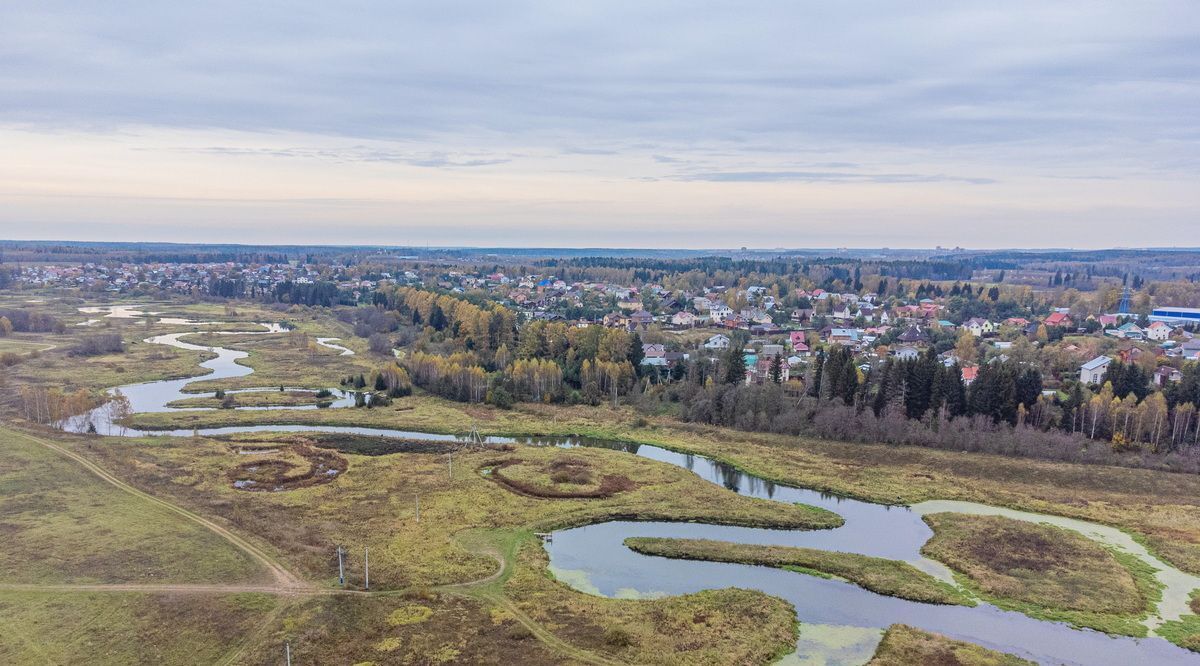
<point x="603" y="124"/>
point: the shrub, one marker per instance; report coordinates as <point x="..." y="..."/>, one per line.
<point x="100" y="343"/>
<point x="411" y="614"/>
<point x="618" y="637"/>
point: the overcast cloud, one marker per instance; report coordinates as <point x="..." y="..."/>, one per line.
<point x="693" y="124"/>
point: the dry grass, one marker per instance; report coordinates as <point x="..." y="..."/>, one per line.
<point x="120" y="628"/>
<point x="1043" y="570"/>
<point x="289" y="468"/>
<point x="907" y="646"/>
<point x="388" y="630"/>
<point x="564" y="477"/>
<point x="59" y="523"/>
<point x="374" y="503"/>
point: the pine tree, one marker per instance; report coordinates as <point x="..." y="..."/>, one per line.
<point x="848" y="386"/>
<point x="814" y="388"/>
<point x="955" y="392"/>
<point x="735" y="366"/>
<point x="636" y="353"/>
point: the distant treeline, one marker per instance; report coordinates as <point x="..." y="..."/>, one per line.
<point x="652" y="270"/>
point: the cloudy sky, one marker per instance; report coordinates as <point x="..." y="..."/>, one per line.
<point x="675" y="124"/>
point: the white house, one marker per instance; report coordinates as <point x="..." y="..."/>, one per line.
<point x="654" y="351"/>
<point x="718" y="341"/>
<point x="1093" y="371"/>
<point x="720" y="312"/>
<point x="906" y="353"/>
<point x="979" y="327"/>
<point x="683" y="318"/>
<point x="1158" y="331"/>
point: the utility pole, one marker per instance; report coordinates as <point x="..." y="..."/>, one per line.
<point x="450" y="458"/>
<point x="341" y="568"/>
<point x="287" y="652"/>
<point x="418" y="509"/>
<point x="366" y="568"/>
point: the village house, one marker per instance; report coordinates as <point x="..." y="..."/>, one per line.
<point x="1094" y="370"/>
<point x="906" y="353"/>
<point x="1058" y="319"/>
<point x="640" y="319"/>
<point x="1128" y="331"/>
<point x="718" y="341"/>
<point x="844" y="336"/>
<point x="771" y="350"/>
<point x="653" y="350"/>
<point x="969" y="373"/>
<point x="1108" y="320"/>
<point x="914" y="336"/>
<point x="1158" y="331"/>
<point x="1165" y="374"/>
<point x="759" y="372"/>
<point x="720" y="312"/>
<point x="979" y="327"/>
<point x="798" y="343"/>
<point x="684" y="319"/>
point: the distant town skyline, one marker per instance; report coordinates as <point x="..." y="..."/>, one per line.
<point x="673" y="125"/>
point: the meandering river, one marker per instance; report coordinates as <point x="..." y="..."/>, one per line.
<point x="840" y="622"/>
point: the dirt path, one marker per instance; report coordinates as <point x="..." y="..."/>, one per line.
<point x="481" y="590"/>
<point x="172" y="588"/>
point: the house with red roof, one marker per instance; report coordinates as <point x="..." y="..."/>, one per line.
<point x="969" y="373"/>
<point x="1058" y="319"/>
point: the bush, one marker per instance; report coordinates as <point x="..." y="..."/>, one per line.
<point x="100" y="343"/>
<point x="379" y="343"/>
<point x="500" y="397"/>
<point x="618" y="637"/>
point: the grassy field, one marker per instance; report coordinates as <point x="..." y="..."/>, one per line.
<point x="374" y="503"/>
<point x="272" y="398"/>
<point x="61" y="524"/>
<point x="907" y="646"/>
<point x="22" y="345"/>
<point x="879" y="575"/>
<point x="121" y="628"/>
<point x="1045" y="571"/>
